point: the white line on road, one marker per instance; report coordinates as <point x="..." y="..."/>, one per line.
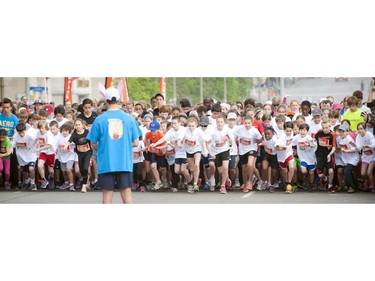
<point x="248" y="195"/>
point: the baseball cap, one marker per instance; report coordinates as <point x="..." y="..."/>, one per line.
<point x="49" y="108"/>
<point x="232" y="115"/>
<point x="225" y="105"/>
<point x="38" y="101"/>
<point x="148" y="115"/>
<point x="344" y="127"/>
<point x="154" y="125"/>
<point x="322" y="99"/>
<point x="204" y="121"/>
<point x="111" y="93"/>
<point x="336" y="106"/>
<point x="316" y="111"/>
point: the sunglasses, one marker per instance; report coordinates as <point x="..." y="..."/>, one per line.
<point x="204" y="126"/>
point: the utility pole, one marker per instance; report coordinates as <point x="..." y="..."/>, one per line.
<point x="225" y="89"/>
<point x="201" y="88"/>
<point x="282" y="89"/>
<point x="174" y="90"/>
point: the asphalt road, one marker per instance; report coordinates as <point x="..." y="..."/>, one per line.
<point x="182" y="197"/>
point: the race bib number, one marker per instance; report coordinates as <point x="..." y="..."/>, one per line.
<point x="344" y="146"/>
<point x="21" y="145"/>
<point x="136" y="154"/>
<point x="3" y="149"/>
<point x="42" y="142"/>
<point x="190" y="142"/>
<point x="288" y="141"/>
<point x="268" y="150"/>
<point x="83" y="147"/>
<point x="302" y="145"/>
<point x="245" y="142"/>
<point x="367" y="151"/>
<point x="324" y="141"/>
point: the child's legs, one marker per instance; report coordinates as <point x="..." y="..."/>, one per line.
<point x="6" y="163"/>
<point x="41" y="171"/>
<point x="251" y="166"/>
<point x="340" y="176"/>
<point x="265" y="165"/>
<point x="197" y="161"/>
<point x="364" y="167"/>
<point x="290" y="171"/>
<point x="1" y="166"/>
<point x="348" y="175"/>
<point x="370" y="170"/>
<point x="330" y="176"/>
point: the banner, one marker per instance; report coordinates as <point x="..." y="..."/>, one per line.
<point x="125" y="94"/>
<point x="68" y="89"/>
<point x="68" y="86"/>
<point x="163" y="84"/>
<point x="108" y="82"/>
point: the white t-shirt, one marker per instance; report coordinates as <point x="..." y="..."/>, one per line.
<point x="247" y="139"/>
<point x="269" y="145"/>
<point x="367" y="145"/>
<point x="25" y="149"/>
<point x="282" y="155"/>
<point x="172" y="136"/>
<point x="305" y="152"/>
<point x="220" y="140"/>
<point x="47" y="138"/>
<point x="62" y="155"/>
<point x="314" y="128"/>
<point x="192" y="140"/>
<point x="351" y="157"/>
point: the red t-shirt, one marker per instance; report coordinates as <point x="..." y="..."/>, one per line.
<point x="154" y="139"/>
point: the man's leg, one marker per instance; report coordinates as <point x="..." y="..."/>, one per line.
<point x="107" y="196"/>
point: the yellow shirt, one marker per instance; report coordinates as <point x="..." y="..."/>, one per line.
<point x="354" y="117"/>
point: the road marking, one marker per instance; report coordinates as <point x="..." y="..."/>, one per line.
<point x="17" y="192"/>
<point x="248" y="195"/>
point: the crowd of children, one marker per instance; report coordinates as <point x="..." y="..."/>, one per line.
<point x="241" y="146"/>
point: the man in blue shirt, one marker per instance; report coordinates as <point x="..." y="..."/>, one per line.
<point x="114" y="133"/>
<point x="8" y="120"/>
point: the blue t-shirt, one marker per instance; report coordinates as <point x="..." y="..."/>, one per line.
<point x="114" y="131"/>
<point x="8" y="123"/>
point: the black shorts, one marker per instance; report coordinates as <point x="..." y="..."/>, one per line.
<point x="26" y="168"/>
<point x="232" y="161"/>
<point x="271" y="159"/>
<point x="115" y="180"/>
<point x="191" y="155"/>
<point x="180" y="161"/>
<point x="160" y="161"/>
<point x="321" y="163"/>
<point x="225" y="155"/>
<point x="245" y="157"/>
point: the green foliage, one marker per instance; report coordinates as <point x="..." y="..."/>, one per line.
<point x="190" y="88"/>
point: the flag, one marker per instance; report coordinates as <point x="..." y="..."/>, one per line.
<point x="163" y="85"/>
<point x="68" y="85"/>
<point x="125" y="93"/>
<point x="108" y="82"/>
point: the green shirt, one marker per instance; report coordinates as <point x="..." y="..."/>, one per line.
<point x="4" y="146"/>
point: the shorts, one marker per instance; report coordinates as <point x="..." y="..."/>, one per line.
<point x="206" y="160"/>
<point x="272" y="160"/>
<point x="180" y="161"/>
<point x="49" y="159"/>
<point x="110" y="181"/>
<point x="191" y="155"/>
<point x="232" y="161"/>
<point x="297" y="162"/>
<point x="26" y="168"/>
<point x="245" y="157"/>
<point x="160" y="161"/>
<point x="67" y="166"/>
<point x="308" y="167"/>
<point x="223" y="156"/>
<point x="321" y="163"/>
<point x="284" y="165"/>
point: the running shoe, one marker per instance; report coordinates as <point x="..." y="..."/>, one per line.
<point x="237" y="184"/>
<point x="64" y="186"/>
<point x="33" y="187"/>
<point x="289" y="189"/>
<point x="7" y="186"/>
<point x="206" y="186"/>
<point x="271" y="188"/>
<point x="44" y="184"/>
<point x="134" y="187"/>
<point x="196" y="187"/>
<point x="223" y="190"/>
<point x="157" y="185"/>
<point x="84" y="188"/>
<point x="228" y="182"/>
<point x="143" y="189"/>
<point x="71" y="187"/>
<point x="351" y="190"/>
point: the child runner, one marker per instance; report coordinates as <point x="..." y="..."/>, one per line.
<point x="285" y="156"/>
<point x="6" y="149"/>
<point x="221" y="142"/>
<point x="269" y="159"/>
<point x="326" y="147"/>
<point x="83" y="150"/>
<point x="24" y="142"/>
<point x="365" y="141"/>
<point x="66" y="156"/>
<point x="350" y="157"/>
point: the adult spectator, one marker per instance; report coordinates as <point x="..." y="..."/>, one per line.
<point x="114" y="133"/>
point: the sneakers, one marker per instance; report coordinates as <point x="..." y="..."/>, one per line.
<point x="78" y="184"/>
<point x="84" y="188"/>
<point x="134" y="187"/>
<point x="64" y="186"/>
<point x="366" y="186"/>
<point x="7" y="186"/>
<point x="259" y="185"/>
<point x="33" y="187"/>
<point x="190" y="188"/>
<point x="223" y="190"/>
<point x="212" y="187"/>
<point x="44" y="184"/>
<point x="263" y="185"/>
<point x="249" y="186"/>
<point x="212" y="183"/>
<point x="373" y="190"/>
<point x="196" y="187"/>
<point x="157" y="185"/>
<point x="228" y="182"/>
<point x="237" y="184"/>
<point x="289" y="189"/>
<point x="271" y="188"/>
<point x="71" y="187"/>
<point x="206" y="186"/>
<point x="277" y="184"/>
<point x="51" y="187"/>
<point x="143" y="189"/>
<point x="245" y="189"/>
<point x="25" y="185"/>
<point x="174" y="189"/>
<point x="351" y="190"/>
<point x="331" y="190"/>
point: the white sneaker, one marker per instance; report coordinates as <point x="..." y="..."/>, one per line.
<point x="158" y="185"/>
<point x="174" y="189"/>
<point x="190" y="188"/>
<point x="237" y="184"/>
<point x="212" y="182"/>
<point x="259" y="186"/>
<point x="84" y="188"/>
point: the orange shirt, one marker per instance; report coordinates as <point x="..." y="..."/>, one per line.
<point x="153" y="139"/>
